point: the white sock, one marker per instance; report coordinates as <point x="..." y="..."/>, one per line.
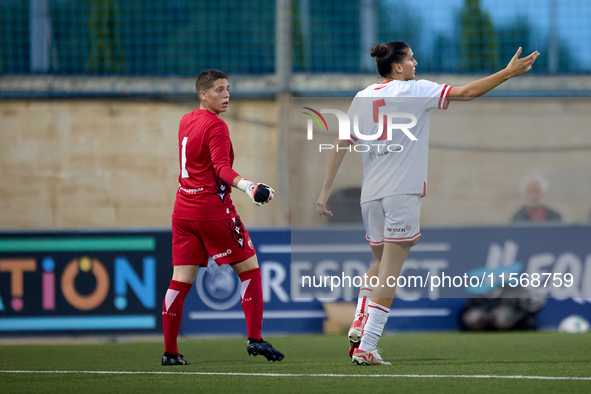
<point x="362" y="303"/>
<point x="376" y="321"/>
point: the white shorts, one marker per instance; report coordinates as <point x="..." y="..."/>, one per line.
<point x="392" y="219"/>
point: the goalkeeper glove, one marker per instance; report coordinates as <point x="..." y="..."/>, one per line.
<point x="259" y="193"/>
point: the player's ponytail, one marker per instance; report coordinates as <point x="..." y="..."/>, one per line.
<point x="388" y="54"/>
<point x="378" y="50"/>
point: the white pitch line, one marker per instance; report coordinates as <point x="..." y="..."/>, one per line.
<point x="289" y="375"/>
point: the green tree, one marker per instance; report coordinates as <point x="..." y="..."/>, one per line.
<point x="444" y="57"/>
<point x="104" y="28"/>
<point x="567" y="63"/>
<point x="397" y="22"/>
<point x="479" y="50"/>
<point x="515" y="35"/>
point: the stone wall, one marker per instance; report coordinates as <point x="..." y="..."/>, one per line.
<point x="114" y="164"/>
<point x="479" y="152"/>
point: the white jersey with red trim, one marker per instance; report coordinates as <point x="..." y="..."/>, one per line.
<point x="397" y="165"/>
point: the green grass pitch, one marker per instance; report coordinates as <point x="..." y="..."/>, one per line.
<point x="313" y="364"/>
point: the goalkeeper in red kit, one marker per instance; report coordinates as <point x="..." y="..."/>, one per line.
<point x="205" y="222"/>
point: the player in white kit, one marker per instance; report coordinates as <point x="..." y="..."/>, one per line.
<point x="395" y="173"/>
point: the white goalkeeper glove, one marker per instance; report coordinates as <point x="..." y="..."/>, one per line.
<point x="259" y="193"/>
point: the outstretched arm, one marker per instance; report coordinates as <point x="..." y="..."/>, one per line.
<point x="479" y="87"/>
<point x="334" y="162"/>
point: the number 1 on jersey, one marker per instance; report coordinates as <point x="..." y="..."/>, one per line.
<point x="184" y="173"/>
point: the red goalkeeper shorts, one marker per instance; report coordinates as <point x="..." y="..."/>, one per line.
<point x="193" y="242"/>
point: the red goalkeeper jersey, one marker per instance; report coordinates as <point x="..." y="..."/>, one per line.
<point x="206" y="157"/>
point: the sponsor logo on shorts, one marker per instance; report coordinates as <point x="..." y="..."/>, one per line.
<point x="397" y="230"/>
<point x="224" y="254"/>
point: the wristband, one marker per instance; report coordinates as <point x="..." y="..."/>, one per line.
<point x="243" y="184"/>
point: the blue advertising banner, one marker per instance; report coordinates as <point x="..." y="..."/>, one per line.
<point x="550" y="261"/>
<point x="295" y="305"/>
<point x="83" y="282"/>
<point x="99" y="282"/>
<point x="213" y="305"/>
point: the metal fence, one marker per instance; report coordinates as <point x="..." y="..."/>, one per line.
<point x="183" y="37"/>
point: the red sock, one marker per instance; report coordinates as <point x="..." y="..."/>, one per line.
<point x="252" y="301"/>
<point x="172" y="313"/>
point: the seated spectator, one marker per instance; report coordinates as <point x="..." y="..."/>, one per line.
<point x="534" y="188"/>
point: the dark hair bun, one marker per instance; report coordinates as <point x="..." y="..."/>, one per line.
<point x="378" y="50"/>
